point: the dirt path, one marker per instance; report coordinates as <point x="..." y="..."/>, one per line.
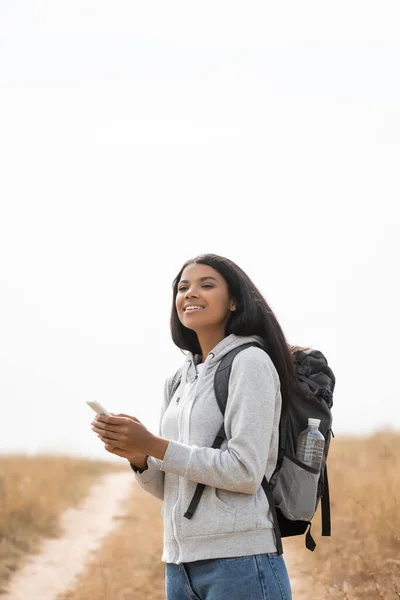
<point x="302" y="586"/>
<point x="60" y="560"/>
<point x="304" y="579"/>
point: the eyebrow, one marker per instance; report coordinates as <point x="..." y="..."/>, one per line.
<point x="200" y="279"/>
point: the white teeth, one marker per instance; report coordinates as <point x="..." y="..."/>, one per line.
<point x="194" y="308"/>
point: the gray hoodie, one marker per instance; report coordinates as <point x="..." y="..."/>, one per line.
<point x="233" y="516"/>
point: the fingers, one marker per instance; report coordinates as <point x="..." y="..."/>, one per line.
<point x="99" y="427"/>
<point x="128" y="417"/>
<point x="135" y="419"/>
<point x="122" y="430"/>
<point x="110" y="448"/>
<point x="110" y="438"/>
<point x="118" y="431"/>
<point x="110" y="434"/>
<point x="110" y="420"/>
<point x="115" y="420"/>
<point x="116" y="450"/>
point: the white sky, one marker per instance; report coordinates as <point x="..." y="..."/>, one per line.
<point x="134" y="136"/>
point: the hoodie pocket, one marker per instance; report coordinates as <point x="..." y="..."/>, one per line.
<point x="243" y="504"/>
<point x="220" y="503"/>
<point x="211" y="517"/>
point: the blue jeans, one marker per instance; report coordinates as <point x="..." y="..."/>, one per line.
<point x="255" y="577"/>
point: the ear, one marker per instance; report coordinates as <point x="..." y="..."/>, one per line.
<point x="233" y="306"/>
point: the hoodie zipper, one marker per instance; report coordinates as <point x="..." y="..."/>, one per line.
<point x="187" y="393"/>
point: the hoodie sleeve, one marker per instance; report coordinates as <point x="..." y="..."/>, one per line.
<point x="252" y="412"/>
<point x="152" y="478"/>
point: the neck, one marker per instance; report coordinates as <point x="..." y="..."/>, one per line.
<point x="208" y="340"/>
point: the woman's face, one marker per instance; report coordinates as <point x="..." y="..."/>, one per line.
<point x="203" y="286"/>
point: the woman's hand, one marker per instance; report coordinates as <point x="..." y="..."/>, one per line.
<point x="121" y="438"/>
<point x="127" y="437"/>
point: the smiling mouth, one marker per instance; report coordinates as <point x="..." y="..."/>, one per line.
<point x="190" y="310"/>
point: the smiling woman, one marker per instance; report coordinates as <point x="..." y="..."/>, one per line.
<point x="227" y="548"/>
<point x="203" y="290"/>
<point x="236" y="301"/>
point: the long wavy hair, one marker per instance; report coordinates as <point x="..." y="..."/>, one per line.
<point x="253" y="316"/>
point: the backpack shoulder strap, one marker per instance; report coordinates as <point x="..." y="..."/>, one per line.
<point x="221" y="383"/>
<point x="221" y="379"/>
<point x="325" y="507"/>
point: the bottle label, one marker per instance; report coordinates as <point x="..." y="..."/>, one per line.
<point x="310" y="452"/>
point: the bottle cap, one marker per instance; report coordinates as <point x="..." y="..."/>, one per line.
<point x="314" y="421"/>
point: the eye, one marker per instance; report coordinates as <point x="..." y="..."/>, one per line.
<point x="206" y="285"/>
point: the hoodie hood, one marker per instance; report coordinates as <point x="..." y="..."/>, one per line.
<point x="215" y="355"/>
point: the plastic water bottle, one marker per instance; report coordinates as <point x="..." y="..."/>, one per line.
<point x="310" y="445"/>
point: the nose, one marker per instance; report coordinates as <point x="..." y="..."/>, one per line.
<point x="190" y="293"/>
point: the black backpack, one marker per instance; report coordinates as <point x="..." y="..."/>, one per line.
<point x="294" y="489"/>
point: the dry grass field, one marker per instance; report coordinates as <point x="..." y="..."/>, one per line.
<point x="362" y="558"/>
<point x="34" y="491"/>
<point x="360" y="561"/>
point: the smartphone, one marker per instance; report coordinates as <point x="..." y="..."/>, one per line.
<point x="97" y="407"/>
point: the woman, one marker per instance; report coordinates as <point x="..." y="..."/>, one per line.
<point x="227" y="550"/>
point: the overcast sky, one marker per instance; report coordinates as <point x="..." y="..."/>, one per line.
<point x="134" y="136"/>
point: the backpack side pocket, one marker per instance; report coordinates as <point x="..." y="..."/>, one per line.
<point x="295" y="490"/>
